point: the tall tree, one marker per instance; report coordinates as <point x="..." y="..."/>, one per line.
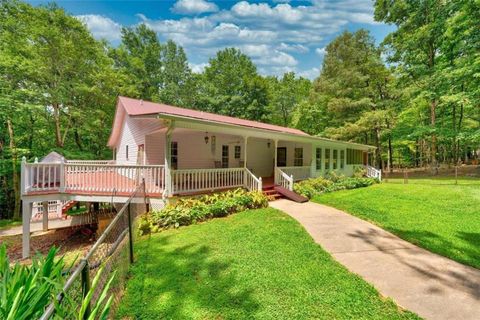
<point x="231" y="85"/>
<point x="286" y="93"/>
<point x="354" y="89"/>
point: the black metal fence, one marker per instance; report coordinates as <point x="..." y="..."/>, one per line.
<point x="111" y="254"/>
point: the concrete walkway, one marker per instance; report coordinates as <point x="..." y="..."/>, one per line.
<point x="432" y="286"/>
<point x="37" y="226"/>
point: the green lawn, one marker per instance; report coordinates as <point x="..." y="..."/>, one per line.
<point x="258" y="264"/>
<point x="443" y="218"/>
<point x="8" y="223"/>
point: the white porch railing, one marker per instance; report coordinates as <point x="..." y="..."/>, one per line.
<point x="251" y="182"/>
<point x="90" y="161"/>
<point x="373" y="172"/>
<point x="192" y="180"/>
<point x="92" y="178"/>
<point x="82" y="177"/>
<point x="283" y="179"/>
<point x="298" y="173"/>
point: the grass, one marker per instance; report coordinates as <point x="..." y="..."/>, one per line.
<point x="441" y="217"/>
<point x="8" y="223"/>
<point x="258" y="264"/>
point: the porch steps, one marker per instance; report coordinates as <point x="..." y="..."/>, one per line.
<point x="271" y="194"/>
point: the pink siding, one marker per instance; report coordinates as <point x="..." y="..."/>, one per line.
<point x="133" y="134"/>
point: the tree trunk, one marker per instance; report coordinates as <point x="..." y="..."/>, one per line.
<point x="433" y="151"/>
<point x="390" y="154"/>
<point x="379" y="148"/>
<point x="56" y="117"/>
<point x="16" y="185"/>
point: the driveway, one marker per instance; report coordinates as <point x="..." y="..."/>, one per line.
<point x="430" y="285"/>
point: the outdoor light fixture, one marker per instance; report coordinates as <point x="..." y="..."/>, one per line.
<point x="206" y="137"/>
<point x="268" y="144"/>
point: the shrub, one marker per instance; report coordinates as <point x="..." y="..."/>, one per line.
<point x="311" y="187"/>
<point x="185" y="211"/>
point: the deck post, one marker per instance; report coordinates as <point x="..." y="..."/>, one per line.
<point x="275" y="146"/>
<point x="62" y="175"/>
<point x="245" y="139"/>
<point x="26" y="216"/>
<point x="23" y="176"/>
<point x="45" y="216"/>
<point x="313" y="156"/>
<point x="168" y="151"/>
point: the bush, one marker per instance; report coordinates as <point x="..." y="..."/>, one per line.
<point x="311" y="187"/>
<point x="186" y="211"/>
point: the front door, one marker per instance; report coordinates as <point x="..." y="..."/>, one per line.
<point x="282" y="157"/>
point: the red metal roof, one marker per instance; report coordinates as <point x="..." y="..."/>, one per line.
<point x="135" y="107"/>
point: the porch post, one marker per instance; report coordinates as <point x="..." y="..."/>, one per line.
<point x="26" y="216"/>
<point x="275" y="145"/>
<point x="313" y="156"/>
<point x="245" y="139"/>
<point x="45" y="215"/>
<point x="168" y="152"/>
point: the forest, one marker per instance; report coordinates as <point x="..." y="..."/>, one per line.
<point x="415" y="96"/>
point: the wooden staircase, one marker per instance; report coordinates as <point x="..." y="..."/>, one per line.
<point x="271" y="193"/>
<point x="67" y="206"/>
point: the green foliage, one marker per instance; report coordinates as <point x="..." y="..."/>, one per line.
<point x="25" y="290"/>
<point x="439" y="216"/>
<point x="332" y="182"/>
<point x="260" y="264"/>
<point x="186" y="211"/>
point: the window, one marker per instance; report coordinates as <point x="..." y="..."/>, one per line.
<point x="354" y="156"/>
<point x="327" y="159"/>
<point x="174" y="155"/>
<point x="342" y="159"/>
<point x="334" y="160"/>
<point x="238" y="151"/>
<point x="298" y="157"/>
<point x="126" y="152"/>
<point x="224" y="156"/>
<point x="318" y="158"/>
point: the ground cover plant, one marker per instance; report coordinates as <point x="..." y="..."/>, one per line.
<point x="185" y="211"/>
<point x="441" y="217"/>
<point x="331" y="182"/>
<point x="258" y="264"/>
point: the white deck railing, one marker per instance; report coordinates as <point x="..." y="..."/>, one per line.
<point x="373" y="172"/>
<point x="251" y="182"/>
<point x="90" y="161"/>
<point x="298" y="173"/>
<point x="193" y="180"/>
<point x="283" y="179"/>
<point x="92" y="178"/>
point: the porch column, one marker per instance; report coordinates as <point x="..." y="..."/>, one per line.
<point x="168" y="152"/>
<point x="45" y="215"/>
<point x="245" y="139"/>
<point x="26" y="216"/>
<point x="313" y="156"/>
<point x="275" y="145"/>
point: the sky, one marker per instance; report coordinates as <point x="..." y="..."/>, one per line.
<point x="280" y="35"/>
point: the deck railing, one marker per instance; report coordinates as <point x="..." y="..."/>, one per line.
<point x="283" y="179"/>
<point x="251" y="182"/>
<point x="373" y="172"/>
<point x="298" y="173"/>
<point x="193" y="180"/>
<point x="91" y="178"/>
<point x="114" y="179"/>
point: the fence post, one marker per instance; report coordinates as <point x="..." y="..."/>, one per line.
<point x="130" y="233"/>
<point x="86" y="286"/>
<point x="456" y="174"/>
<point x="62" y="175"/>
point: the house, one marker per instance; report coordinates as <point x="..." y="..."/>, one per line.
<point x="178" y="151"/>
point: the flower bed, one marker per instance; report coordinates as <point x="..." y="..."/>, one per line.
<point x="186" y="211"/>
<point x="311" y="187"/>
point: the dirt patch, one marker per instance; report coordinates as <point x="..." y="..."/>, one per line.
<point x="71" y="241"/>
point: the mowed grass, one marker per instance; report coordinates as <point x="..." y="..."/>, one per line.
<point x="436" y="215"/>
<point x="9" y="223"/>
<point x="258" y="264"/>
